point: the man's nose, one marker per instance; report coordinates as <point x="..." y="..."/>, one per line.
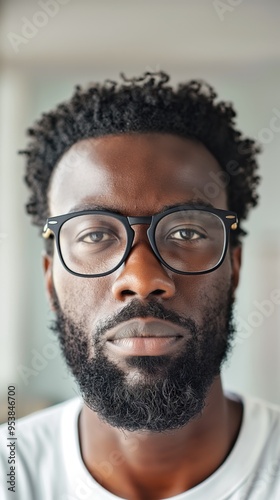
<point x="142" y="275"/>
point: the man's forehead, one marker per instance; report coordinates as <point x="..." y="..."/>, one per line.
<point x="120" y="146"/>
<point x="131" y="170"/>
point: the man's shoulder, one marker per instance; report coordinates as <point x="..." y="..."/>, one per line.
<point x="260" y="448"/>
<point x="260" y="422"/>
<point x="258" y="407"/>
<point x="268" y="414"/>
<point x="260" y="429"/>
<point x="256" y="402"/>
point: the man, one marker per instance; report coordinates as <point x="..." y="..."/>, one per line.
<point x="140" y="191"/>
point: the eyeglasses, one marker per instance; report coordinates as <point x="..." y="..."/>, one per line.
<point x="185" y="239"/>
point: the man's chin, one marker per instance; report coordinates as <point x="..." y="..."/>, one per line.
<point x="146" y="370"/>
<point x="149" y="365"/>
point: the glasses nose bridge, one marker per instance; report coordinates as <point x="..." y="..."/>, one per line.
<point x="134" y="221"/>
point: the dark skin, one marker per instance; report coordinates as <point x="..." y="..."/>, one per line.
<point x="139" y="175"/>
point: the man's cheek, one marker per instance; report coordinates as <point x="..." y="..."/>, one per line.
<point x="82" y="299"/>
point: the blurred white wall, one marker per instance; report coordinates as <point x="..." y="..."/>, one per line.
<point x="47" y="47"/>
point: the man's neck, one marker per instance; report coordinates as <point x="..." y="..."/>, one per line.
<point x="146" y="465"/>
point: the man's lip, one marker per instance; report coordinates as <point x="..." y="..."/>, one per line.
<point x="145" y="327"/>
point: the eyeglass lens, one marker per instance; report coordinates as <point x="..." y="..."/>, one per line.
<point x="187" y="240"/>
<point x="190" y="241"/>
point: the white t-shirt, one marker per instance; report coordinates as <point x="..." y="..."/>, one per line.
<point x="49" y="464"/>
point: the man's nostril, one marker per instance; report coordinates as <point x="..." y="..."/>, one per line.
<point x="158" y="292"/>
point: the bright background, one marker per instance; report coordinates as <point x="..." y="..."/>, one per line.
<point x="233" y="44"/>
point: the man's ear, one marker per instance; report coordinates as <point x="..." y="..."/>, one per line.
<point x="47" y="268"/>
<point x="236" y="258"/>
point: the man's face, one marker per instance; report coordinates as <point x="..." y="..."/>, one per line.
<point x="141" y="383"/>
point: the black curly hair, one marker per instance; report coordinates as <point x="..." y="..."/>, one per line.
<point x="144" y="104"/>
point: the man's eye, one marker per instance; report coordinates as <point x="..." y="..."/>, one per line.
<point x="96" y="237"/>
<point x="186" y="235"/>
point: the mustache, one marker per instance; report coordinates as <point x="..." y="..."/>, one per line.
<point x="136" y="309"/>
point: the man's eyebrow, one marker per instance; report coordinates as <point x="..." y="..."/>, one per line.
<point x="195" y="203"/>
<point x="91" y="206"/>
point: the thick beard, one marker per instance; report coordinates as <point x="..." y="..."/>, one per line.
<point x="171" y="390"/>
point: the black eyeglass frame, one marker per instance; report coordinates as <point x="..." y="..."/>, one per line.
<point x="54" y="224"/>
